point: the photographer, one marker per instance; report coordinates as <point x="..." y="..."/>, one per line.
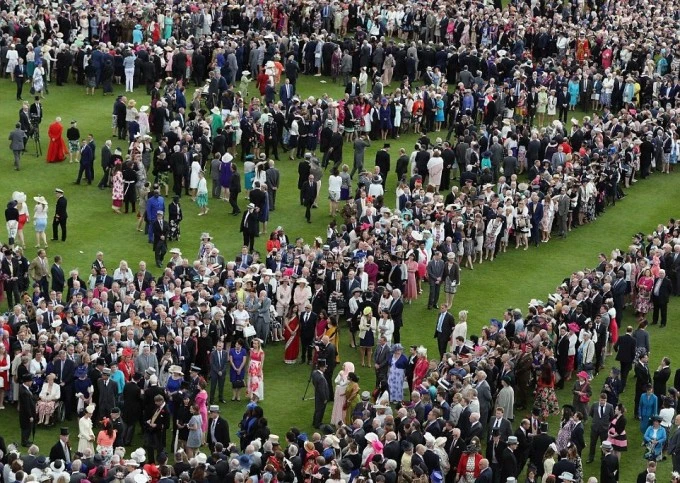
<point x="35" y="113"/>
<point x="329" y="353"/>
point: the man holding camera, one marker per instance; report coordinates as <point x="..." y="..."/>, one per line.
<point x="329" y="353"/>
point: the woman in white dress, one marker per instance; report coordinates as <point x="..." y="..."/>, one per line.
<point x="12" y="57"/>
<point x="341" y="381"/>
<point x="85" y="433"/>
<point x="143" y="121"/>
<point x="193" y="180"/>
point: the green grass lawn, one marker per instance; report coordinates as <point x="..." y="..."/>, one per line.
<point x="510" y="281"/>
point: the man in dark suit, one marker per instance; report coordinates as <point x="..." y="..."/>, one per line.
<point x="395" y="278"/>
<point x="500" y="423"/>
<point x="104" y="278"/>
<point x="674" y="444"/>
<point x="250" y="226"/>
<point x="381" y="360"/>
<point x="661" y="377"/>
<point x="108" y="393"/>
<point x="443" y="329"/>
<point x="578" y="433"/>
<point x="218" y="429"/>
<point x="86" y="163"/>
<point x="494" y="453"/>
<point x="155" y="429"/>
<point x="601" y="413"/>
<point x="625" y="354"/>
<point x="27" y="414"/>
<point x="509" y="459"/>
<point x="524" y="444"/>
<point x="58" y="277"/>
<point x="60" y="216"/>
<point x="160" y="229"/>
<point x="308" y="194"/>
<point x="352" y="88"/>
<point x="218" y="371"/>
<point x="485" y="472"/>
<point x="661" y="292"/>
<point x="286" y="93"/>
<point x="307" y="326"/>
<point x="19" y="77"/>
<point x="64" y="369"/>
<point x="642" y="379"/>
<point x="396" y="312"/>
<point x="540" y="444"/>
<point x="61" y="449"/>
<point x="10" y="272"/>
<point x="321" y="393"/>
<point x="609" y="468"/>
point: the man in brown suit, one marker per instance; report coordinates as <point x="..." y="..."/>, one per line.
<point x="39" y="271"/>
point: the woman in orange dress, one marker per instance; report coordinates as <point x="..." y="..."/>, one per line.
<point x="127" y="365"/>
<point x="105" y="440"/>
<point x="56" y="151"/>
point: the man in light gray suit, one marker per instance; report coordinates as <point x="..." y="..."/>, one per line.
<point x="17" y="142"/>
<point x="108" y="393"/>
<point x="273" y="178"/>
<point x="601" y="413"/>
<point x="435" y="274"/>
<point x="484" y="398"/>
<point x="263" y="317"/>
<point x="563" y="212"/>
<point x="218" y="371"/>
<point x="674" y="444"/>
<point x="146" y="359"/>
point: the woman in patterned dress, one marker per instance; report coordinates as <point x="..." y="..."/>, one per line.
<point x="395" y="374"/>
<point x="117" y="192"/>
<point x="255" y="372"/>
<point x="546" y="400"/>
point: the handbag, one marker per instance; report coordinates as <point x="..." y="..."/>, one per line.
<point x="249" y="331"/>
<point x="238" y="384"/>
<point x="584" y="398"/>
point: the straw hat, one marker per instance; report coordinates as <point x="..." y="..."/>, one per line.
<point x="40" y="199"/>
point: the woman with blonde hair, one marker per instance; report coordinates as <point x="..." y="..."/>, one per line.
<point x="367" y="328"/>
<point x="49" y="395"/>
<point x="85" y="433"/>
<point x="24" y="217"/>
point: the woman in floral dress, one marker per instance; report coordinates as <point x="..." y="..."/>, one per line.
<point x="546" y="400"/>
<point x="395" y="373"/>
<point x="255" y="370"/>
<point x="117" y="192"/>
<point x="411" y="283"/>
<point x="644" y="290"/>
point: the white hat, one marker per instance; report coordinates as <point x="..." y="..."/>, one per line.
<point x="143" y="108"/>
<point x="90" y="408"/>
<point x="141" y="478"/>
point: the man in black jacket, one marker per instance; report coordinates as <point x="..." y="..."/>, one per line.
<point x="308" y="195"/>
<point x="625" y="354"/>
<point x="250" y="226"/>
<point x="661" y="292"/>
<point x="307" y="325"/>
<point x="60" y="216"/>
<point x="218" y="429"/>
<point x="160" y="233"/>
<point x="321" y="393"/>
<point x="27" y="414"/>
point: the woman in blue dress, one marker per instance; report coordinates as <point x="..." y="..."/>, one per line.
<point x="82" y="385"/>
<point x="439" y="115"/>
<point x="173" y="387"/>
<point x="649" y="406"/>
<point x="573" y="88"/>
<point x="655" y="437"/>
<point x="238" y="356"/>
<point x="385" y="114"/>
<point x="167" y="24"/>
<point x="395" y="374"/>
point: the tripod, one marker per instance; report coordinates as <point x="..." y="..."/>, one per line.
<point x="36" y="140"/>
<point x="309" y="381"/>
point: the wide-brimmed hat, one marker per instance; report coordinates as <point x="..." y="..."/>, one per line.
<point x="583" y="375"/>
<point x="40" y="199"/>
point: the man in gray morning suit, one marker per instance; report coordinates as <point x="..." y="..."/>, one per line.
<point x="674" y="444"/>
<point x="108" y="393"/>
<point x="17" y="142"/>
<point x="381" y="359"/>
<point x="435" y="274"/>
<point x="218" y="371"/>
<point x="601" y="413"/>
<point x="263" y="317"/>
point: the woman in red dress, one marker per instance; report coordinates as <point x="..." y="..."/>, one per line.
<point x="127" y="365"/>
<point x="421" y="367"/>
<point x="56" y="151"/>
<point x="291" y="328"/>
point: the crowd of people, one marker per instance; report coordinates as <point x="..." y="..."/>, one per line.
<point x="489" y="94"/>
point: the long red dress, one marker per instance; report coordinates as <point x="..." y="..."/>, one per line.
<point x="292" y="341"/>
<point x="56" y="151"/>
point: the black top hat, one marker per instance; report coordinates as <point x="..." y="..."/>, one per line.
<point x="63" y="431"/>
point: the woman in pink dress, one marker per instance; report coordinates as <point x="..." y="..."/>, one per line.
<point x="255" y="370"/>
<point x="201" y="400"/>
<point x="117" y="191"/>
<point x="411" y="284"/>
<point x="291" y="334"/>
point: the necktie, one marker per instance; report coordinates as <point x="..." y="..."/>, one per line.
<point x="219" y="358"/>
<point x="67" y="453"/>
<point x="440" y="323"/>
<point x="601" y="411"/>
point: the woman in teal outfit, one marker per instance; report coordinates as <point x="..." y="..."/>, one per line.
<point x="573" y="87"/>
<point x="167" y="30"/>
<point x="216" y="121"/>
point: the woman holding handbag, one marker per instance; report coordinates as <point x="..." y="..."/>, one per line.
<point x="238" y="356"/>
<point x="582" y="392"/>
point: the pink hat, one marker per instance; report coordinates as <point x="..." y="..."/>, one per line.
<point x="377" y="446"/>
<point x="583" y="375"/>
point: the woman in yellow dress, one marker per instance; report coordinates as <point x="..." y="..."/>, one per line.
<point x="352" y="398"/>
